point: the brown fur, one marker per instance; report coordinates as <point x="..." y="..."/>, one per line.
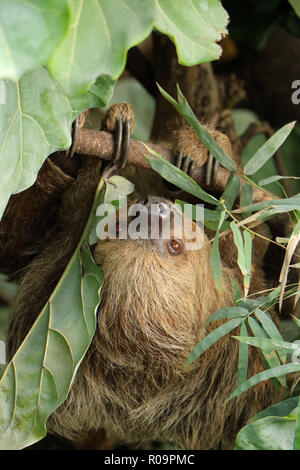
<point x="132" y="382"/>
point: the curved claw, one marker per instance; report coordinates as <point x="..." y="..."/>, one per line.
<point x="118" y="140"/>
<point x="186" y="163"/>
<point x="122" y="142"/>
<point x="212" y="167"/>
<point x="125" y="143"/>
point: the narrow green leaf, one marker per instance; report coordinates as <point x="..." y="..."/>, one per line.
<point x="265" y="375"/>
<point x="231" y="190"/>
<point x="212" y="338"/>
<point x="297" y="429"/>
<point x="271" y="329"/>
<point x="246" y="197"/>
<point x="296" y="320"/>
<point x="186" y="112"/>
<point x="227" y="313"/>
<point x="270" y="356"/>
<point x="248" y="260"/>
<point x="243" y="357"/>
<point x="284" y="408"/>
<point x="268" y="344"/>
<point x="275" y="206"/>
<point x="177" y="177"/>
<point x="268" y="149"/>
<point x="214" y="257"/>
<point x="273" y="179"/>
<point x="238" y="241"/>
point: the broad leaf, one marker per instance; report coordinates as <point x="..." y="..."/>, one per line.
<point x="271" y="433"/>
<point x="39" y="376"/>
<point x="183" y="20"/>
<point x="29" y="32"/>
<point x="34" y="122"/>
<point x="101" y="32"/>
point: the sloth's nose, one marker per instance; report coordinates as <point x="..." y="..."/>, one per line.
<point x="158" y="206"/>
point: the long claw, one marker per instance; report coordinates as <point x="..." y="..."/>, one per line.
<point x="125" y="143"/>
<point x="179" y="159"/>
<point x="118" y="141"/>
<point x="186" y="164"/>
<point x="209" y="167"/>
<point x="192" y="167"/>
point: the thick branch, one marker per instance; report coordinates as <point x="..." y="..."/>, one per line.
<point x="101" y="144"/>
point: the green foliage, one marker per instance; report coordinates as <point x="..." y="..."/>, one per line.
<point x="64" y="329"/>
<point x="84" y="46"/>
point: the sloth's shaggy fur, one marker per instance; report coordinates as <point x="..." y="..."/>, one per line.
<point x="132" y="382"/>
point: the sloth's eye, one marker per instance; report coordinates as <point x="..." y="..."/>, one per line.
<point x="175" y="246"/>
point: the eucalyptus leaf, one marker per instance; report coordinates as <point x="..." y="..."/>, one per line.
<point x="268" y="149"/>
<point x="227" y="313"/>
<point x="243" y="356"/>
<point x="271" y="344"/>
<point x="268" y="354"/>
<point x="214" y="257"/>
<point x="212" y="338"/>
<point x="29" y="33"/>
<point x="271" y="329"/>
<point x="283" y="408"/>
<point x="231" y="190"/>
<point x="187" y="113"/>
<point x="177" y="177"/>
<point x="273" y="179"/>
<point x="265" y="375"/>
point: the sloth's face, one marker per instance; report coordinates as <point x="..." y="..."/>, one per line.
<point x="154" y="224"/>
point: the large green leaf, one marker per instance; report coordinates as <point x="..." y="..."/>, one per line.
<point x="29" y="32"/>
<point x="101" y="32"/>
<point x="38" y="378"/>
<point x="35" y="121"/>
<point x="182" y="21"/>
<point x="271" y="433"/>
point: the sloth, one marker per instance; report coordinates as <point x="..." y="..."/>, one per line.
<point x="156" y="301"/>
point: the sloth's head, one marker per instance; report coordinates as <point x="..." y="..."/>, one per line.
<point x="158" y="289"/>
